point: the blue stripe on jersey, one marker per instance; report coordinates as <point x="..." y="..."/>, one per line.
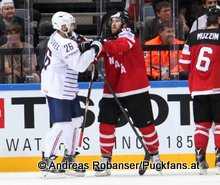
<point x="71" y="78"/>
<point x="69" y="91"/>
<point x="72" y="74"/>
<point x="70" y="82"/>
<point x="69" y="95"/>
<point x="71" y="87"/>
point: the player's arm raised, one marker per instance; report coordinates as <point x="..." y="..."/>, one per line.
<point x="80" y="61"/>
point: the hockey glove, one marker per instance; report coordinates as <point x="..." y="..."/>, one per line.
<point x="97" y="46"/>
<point x="100" y="39"/>
<point x="84" y="46"/>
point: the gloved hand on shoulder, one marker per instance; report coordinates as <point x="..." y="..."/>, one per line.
<point x="100" y="39"/>
<point x="126" y="29"/>
<point x="97" y="45"/>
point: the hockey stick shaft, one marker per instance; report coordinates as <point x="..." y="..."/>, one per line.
<point x="87" y="105"/>
<point x="147" y="155"/>
<point x="105" y="18"/>
<point x="102" y="24"/>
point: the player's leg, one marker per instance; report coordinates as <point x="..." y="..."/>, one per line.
<point x="71" y="139"/>
<point x="216" y="117"/>
<point x="108" y="115"/>
<point x="60" y="119"/>
<point x="201" y="138"/>
<point x="203" y="122"/>
<point x="140" y="110"/>
<point x="217" y="160"/>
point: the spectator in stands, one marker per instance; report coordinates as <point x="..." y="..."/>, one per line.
<point x="129" y="7"/>
<point x="163" y="13"/>
<point x="180" y="8"/>
<point x="200" y="23"/>
<point x="155" y="2"/>
<point x="17" y="67"/>
<point x="7" y="9"/>
<point x="157" y="62"/>
<point x="35" y="17"/>
<point x="190" y="10"/>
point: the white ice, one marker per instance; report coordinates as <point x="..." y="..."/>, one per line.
<point x="151" y="177"/>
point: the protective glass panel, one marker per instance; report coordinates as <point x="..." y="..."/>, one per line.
<point x="18" y="42"/>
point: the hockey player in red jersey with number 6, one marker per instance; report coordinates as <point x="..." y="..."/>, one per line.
<point x="201" y="59"/>
<point x="126" y="73"/>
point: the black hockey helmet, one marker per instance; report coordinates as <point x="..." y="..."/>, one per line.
<point x="123" y="15"/>
<point x="212" y="15"/>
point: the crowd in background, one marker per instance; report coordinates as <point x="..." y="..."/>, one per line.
<point x="165" y="22"/>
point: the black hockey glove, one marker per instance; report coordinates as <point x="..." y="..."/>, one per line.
<point x="84" y="46"/>
<point x="97" y="46"/>
<point x="80" y="38"/>
<point x="100" y="39"/>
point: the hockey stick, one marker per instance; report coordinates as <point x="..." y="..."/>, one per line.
<point x="105" y="18"/>
<point x="87" y="105"/>
<point x="144" y="165"/>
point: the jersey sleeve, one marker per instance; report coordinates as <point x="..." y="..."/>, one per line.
<point x="123" y="43"/>
<point x="74" y="58"/>
<point x="185" y="59"/>
<point x="194" y="25"/>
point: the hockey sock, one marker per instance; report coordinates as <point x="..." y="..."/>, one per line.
<point x="71" y="135"/>
<point x="217" y="135"/>
<point x="53" y="138"/>
<point x="107" y="138"/>
<point x="150" y="138"/>
<point x="201" y="135"/>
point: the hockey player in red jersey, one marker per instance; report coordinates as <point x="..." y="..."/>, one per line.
<point x="201" y="58"/>
<point x="126" y="73"/>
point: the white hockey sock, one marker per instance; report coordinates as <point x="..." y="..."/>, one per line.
<point x="71" y="135"/>
<point x="54" y="137"/>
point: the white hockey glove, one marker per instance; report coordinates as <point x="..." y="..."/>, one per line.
<point x="126" y="29"/>
<point x="97" y="46"/>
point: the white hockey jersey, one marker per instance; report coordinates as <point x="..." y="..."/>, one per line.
<point x="199" y="23"/>
<point x="63" y="61"/>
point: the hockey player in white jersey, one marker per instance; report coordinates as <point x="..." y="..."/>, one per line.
<point x="63" y="61"/>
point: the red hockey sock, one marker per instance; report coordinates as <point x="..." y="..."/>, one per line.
<point x="107" y="138"/>
<point x="150" y="138"/>
<point x="201" y="135"/>
<point x="217" y="135"/>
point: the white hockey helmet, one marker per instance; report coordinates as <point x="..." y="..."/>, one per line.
<point x="63" y="18"/>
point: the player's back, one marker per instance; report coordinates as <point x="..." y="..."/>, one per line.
<point x="204" y="48"/>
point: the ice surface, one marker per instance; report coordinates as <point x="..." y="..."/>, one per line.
<point x="123" y="177"/>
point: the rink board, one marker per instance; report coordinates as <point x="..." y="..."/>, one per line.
<point x="24" y="122"/>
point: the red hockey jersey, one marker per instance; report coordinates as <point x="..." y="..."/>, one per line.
<point x="201" y="58"/>
<point x="124" y="65"/>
